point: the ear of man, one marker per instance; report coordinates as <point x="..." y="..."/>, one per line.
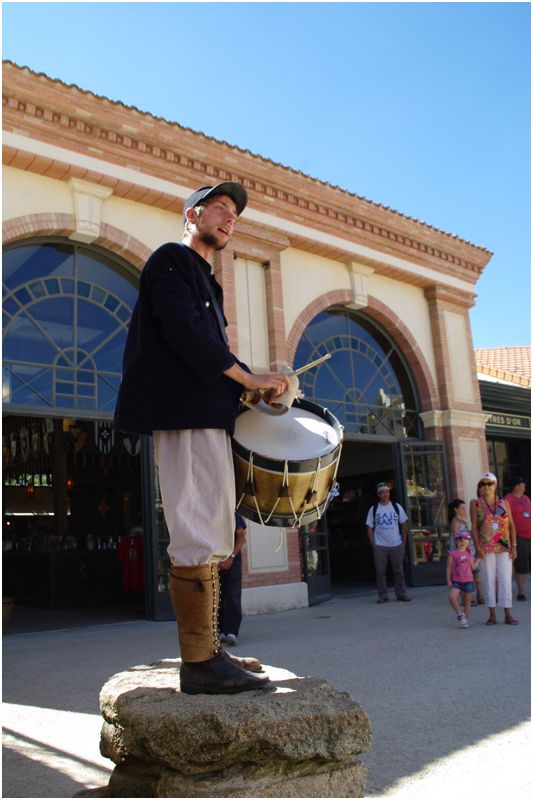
<point x="192" y="214"/>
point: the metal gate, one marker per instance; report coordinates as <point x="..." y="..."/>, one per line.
<point x="421" y="467"/>
<point x="315" y="559"/>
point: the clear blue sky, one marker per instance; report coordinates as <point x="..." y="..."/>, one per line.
<point x="424" y="107"/>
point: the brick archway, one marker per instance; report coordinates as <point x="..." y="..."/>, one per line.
<point x="390" y="322"/>
<point x="111" y="238"/>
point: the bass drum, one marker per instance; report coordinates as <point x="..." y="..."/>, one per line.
<point x="286" y="466"/>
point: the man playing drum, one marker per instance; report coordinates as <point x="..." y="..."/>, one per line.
<point x="182" y="384"/>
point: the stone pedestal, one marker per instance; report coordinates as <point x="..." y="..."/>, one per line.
<point x="298" y="739"/>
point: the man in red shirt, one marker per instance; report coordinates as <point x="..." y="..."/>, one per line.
<point x="521" y="509"/>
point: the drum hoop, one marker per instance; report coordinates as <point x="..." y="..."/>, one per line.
<point x="286" y="520"/>
<point x="277" y="465"/>
<point x="307" y="465"/>
<point x="314" y="408"/>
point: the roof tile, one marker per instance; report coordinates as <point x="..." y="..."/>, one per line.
<point x="512" y="362"/>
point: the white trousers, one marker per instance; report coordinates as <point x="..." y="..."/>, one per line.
<point x="197" y="484"/>
<point x="497" y="567"/>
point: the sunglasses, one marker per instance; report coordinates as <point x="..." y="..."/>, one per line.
<point x="487" y="483"/>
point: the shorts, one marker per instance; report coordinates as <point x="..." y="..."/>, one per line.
<point x="464" y="587"/>
<point x="522" y="564"/>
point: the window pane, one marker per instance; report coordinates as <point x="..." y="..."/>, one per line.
<point x="40" y="343"/>
<point x="94" y="268"/>
<point x="94" y="325"/>
<point x="54" y="315"/>
<point x="359" y="383"/>
<point x="23" y="264"/>
<point x="25" y="341"/>
<point x="31" y="385"/>
<point x="109" y="357"/>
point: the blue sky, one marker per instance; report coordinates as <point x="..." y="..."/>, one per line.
<point x="423" y="107"/>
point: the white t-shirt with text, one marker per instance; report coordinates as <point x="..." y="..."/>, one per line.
<point x="386" y="528"/>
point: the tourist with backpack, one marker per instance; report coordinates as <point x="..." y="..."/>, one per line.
<point x="387" y="533"/>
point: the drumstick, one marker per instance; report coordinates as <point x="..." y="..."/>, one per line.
<point x="311" y="364"/>
<point x="253" y="396"/>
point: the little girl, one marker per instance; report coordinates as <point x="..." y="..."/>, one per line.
<point x="459" y="576"/>
<point x="458" y="523"/>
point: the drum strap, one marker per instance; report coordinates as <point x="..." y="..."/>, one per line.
<point x="216" y="307"/>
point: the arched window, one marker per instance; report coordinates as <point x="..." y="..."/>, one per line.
<point x="66" y="311"/>
<point x="365" y="383"/>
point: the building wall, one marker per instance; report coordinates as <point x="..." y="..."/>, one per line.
<point x="26" y="193"/>
<point x="84" y="168"/>
<point x="306" y="276"/>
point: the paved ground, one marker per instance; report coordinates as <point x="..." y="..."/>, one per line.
<point x="450" y="708"/>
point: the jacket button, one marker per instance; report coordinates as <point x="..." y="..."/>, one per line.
<point x="207" y="303"/>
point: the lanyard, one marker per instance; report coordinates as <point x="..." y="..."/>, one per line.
<point x="492" y="510"/>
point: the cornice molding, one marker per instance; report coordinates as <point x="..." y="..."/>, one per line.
<point x="255" y="241"/>
<point x="442" y="294"/>
<point x="308" y="201"/>
<point x="454" y="419"/>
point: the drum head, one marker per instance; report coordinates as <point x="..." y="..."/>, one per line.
<point x="297" y="435"/>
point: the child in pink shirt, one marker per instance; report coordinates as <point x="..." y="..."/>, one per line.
<point x="459" y="576"/>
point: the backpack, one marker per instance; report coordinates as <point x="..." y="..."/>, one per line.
<point x="395" y="507"/>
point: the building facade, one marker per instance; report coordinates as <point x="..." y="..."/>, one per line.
<point x="505" y="384"/>
<point x="91" y="188"/>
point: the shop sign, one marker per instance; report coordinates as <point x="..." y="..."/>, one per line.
<point x="514" y="421"/>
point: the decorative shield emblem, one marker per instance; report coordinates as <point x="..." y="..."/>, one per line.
<point x="35" y="439"/>
<point x="132" y="443"/>
<point x="24" y="444"/>
<point x="48" y="435"/>
<point x="13" y="444"/>
<point x="105" y="436"/>
<point x="6" y="451"/>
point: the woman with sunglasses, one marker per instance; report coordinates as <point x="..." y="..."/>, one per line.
<point x="495" y="540"/>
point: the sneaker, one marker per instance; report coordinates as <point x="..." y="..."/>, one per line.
<point x="230" y="638"/>
<point x="383" y="600"/>
<point x="403" y="599"/>
<point x="224" y="638"/>
<point x="463" y="623"/>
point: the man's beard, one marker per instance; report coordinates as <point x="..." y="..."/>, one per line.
<point x="212" y="241"/>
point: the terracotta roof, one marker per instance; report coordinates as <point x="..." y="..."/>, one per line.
<point x="249" y="152"/>
<point x="507" y="363"/>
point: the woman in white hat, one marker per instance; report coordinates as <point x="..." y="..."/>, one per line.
<point x="495" y="540"/>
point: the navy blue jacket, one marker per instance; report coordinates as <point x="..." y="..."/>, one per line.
<point x="175" y="354"/>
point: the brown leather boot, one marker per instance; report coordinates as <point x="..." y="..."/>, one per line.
<point x="205" y="669"/>
<point x="250" y="664"/>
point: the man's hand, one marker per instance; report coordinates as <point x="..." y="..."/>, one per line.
<point x="253" y="381"/>
<point x="226" y="564"/>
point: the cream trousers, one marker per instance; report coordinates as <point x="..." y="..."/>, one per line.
<point x="497" y="567"/>
<point x="197" y="484"/>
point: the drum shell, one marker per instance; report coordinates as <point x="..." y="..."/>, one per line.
<point x="268" y="483"/>
<point x="312" y="473"/>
